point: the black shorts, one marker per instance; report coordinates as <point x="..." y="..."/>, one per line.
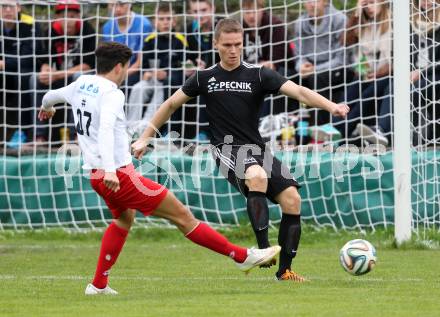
<point x="234" y="160"/>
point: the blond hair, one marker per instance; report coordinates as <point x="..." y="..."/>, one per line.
<point x="358" y="22"/>
<point x="227" y="26"/>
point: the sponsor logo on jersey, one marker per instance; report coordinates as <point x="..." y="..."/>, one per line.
<point x="239" y="86"/>
<point x="89" y="89"/>
<point x="211" y="79"/>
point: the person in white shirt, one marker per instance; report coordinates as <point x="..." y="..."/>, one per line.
<point x="100" y="123"/>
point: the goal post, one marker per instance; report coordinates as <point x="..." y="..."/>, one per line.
<point x="402" y="117"/>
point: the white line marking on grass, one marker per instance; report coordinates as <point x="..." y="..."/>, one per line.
<point x="139" y="278"/>
<point x="46" y="247"/>
<point x="207" y="278"/>
<point x="76" y="246"/>
<point x="366" y="279"/>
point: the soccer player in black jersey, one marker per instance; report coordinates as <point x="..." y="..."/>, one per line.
<point x="234" y="92"/>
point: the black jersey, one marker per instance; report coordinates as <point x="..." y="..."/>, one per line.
<point x="234" y="99"/>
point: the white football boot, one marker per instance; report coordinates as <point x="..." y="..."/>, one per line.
<point x="256" y="257"/>
<point x="92" y="290"/>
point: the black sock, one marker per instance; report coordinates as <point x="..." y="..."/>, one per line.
<point x="258" y="213"/>
<point x="288" y="238"/>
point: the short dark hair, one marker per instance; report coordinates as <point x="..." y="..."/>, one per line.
<point x="110" y="54"/>
<point x="252" y="3"/>
<point x="164" y="7"/>
<point x="227" y="26"/>
<point x="210" y="2"/>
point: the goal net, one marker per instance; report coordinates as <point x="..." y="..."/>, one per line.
<point x="425" y="116"/>
<point x="342" y="49"/>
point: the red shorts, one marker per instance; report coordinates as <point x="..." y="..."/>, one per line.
<point x="136" y="191"/>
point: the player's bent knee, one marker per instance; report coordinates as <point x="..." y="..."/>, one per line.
<point x="257" y="184"/>
<point x="256" y="178"/>
<point x="182" y="217"/>
<point x="255" y="172"/>
<point x="126" y="219"/>
<point x="176" y="212"/>
<point x="290" y="201"/>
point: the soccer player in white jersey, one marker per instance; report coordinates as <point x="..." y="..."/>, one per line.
<point x="97" y="105"/>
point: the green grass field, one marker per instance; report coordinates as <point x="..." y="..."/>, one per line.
<point x="159" y="273"/>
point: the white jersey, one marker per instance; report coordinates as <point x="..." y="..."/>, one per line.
<point x="98" y="109"/>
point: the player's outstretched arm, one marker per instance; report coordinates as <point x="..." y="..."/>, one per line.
<point x="51" y="98"/>
<point x="313" y="99"/>
<point x="160" y="117"/>
<point x="47" y="110"/>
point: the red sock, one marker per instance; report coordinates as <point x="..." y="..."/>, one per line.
<point x="112" y="243"/>
<point x="207" y="237"/>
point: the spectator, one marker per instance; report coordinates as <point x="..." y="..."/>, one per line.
<point x="70" y="45"/>
<point x="191" y="120"/>
<point x="265" y="43"/>
<point x="200" y="35"/>
<point x="265" y="38"/>
<point x="162" y="59"/>
<point x="16" y="65"/>
<point x="128" y="28"/>
<point x="319" y="52"/>
<point x="425" y="77"/>
<point x="368" y="37"/>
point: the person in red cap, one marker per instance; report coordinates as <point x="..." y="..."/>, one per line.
<point x="69" y="5"/>
<point x="68" y="51"/>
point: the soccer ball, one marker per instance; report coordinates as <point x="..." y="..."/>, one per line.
<point x="358" y="257"/>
